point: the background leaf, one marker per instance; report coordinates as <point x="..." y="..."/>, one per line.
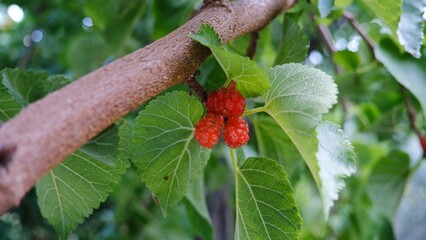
<point x="166" y="154"/>
<point x="274" y="143"/>
<point x="266" y="208"/>
<point x="325" y="7"/>
<point x="388" y="11"/>
<point x="252" y="81"/>
<point x="410" y="27"/>
<point x="70" y="191"/>
<point x="407" y="70"/>
<point x="412" y="209"/>
<point x="387" y="181"/>
<point x="196" y="206"/>
<point x="294" y="43"/>
<point x="27" y="86"/>
<point x="298" y="98"/>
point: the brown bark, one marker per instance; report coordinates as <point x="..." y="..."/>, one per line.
<point x="48" y="130"/>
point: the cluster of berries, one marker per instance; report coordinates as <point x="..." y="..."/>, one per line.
<point x="224" y="109"/>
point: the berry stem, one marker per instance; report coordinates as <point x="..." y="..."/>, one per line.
<point x="254" y="110"/>
<point x="234" y="160"/>
<point x="228" y="81"/>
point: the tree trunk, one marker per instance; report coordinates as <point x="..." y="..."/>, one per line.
<point x="47" y="131"/>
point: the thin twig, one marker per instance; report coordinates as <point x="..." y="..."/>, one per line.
<point x="195" y="86"/>
<point x="251" y="50"/>
<point x="411" y="112"/>
<point x="328" y="41"/>
<point x="355" y="25"/>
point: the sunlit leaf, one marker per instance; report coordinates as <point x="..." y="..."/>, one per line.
<point x="410" y="27"/>
<point x="388" y="11"/>
<point x="166" y="154"/>
<point x="265" y="206"/>
<point x="298" y="98"/>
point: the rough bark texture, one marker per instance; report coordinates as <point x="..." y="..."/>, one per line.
<point x="48" y="130"/>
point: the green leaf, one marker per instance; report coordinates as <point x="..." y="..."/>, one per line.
<point x="298" y="98"/>
<point x="387" y="180"/>
<point x="265" y="203"/>
<point x="8" y="106"/>
<point x="70" y="191"/>
<point x="86" y="53"/>
<point x="116" y="19"/>
<point x="274" y="143"/>
<point x="410" y="27"/>
<point x="336" y="159"/>
<point x="197" y="209"/>
<point x="347" y="59"/>
<point x="27" y="86"/>
<point x="294" y="43"/>
<point x="407" y="70"/>
<point x="166" y="154"/>
<point x="324" y="7"/>
<point x="207" y="36"/>
<point x="388" y="11"/>
<point x="252" y="81"/>
<point x="412" y="209"/>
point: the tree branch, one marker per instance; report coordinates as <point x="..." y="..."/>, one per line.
<point x="50" y="129"/>
<point x="355" y="25"/>
<point x="411" y="112"/>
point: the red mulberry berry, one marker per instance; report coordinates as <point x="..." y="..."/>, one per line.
<point x="236" y="132"/>
<point x="208" y="130"/>
<point x="226" y="101"/>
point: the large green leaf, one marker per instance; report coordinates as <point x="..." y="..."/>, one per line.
<point x="412" y="210"/>
<point x="166" y="154"/>
<point x="388" y="11"/>
<point x="294" y="43"/>
<point x="8" y="106"/>
<point x="406" y="69"/>
<point x="252" y="81"/>
<point x="265" y="205"/>
<point x="387" y="182"/>
<point x="298" y="98"/>
<point x="197" y="209"/>
<point x="70" y="191"/>
<point x="274" y="143"/>
<point x="410" y="27"/>
<point x="27" y="86"/>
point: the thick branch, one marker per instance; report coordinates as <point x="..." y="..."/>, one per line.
<point x="48" y="130"/>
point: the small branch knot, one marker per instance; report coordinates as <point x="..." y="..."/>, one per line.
<point x="220" y="3"/>
<point x="6" y="154"/>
